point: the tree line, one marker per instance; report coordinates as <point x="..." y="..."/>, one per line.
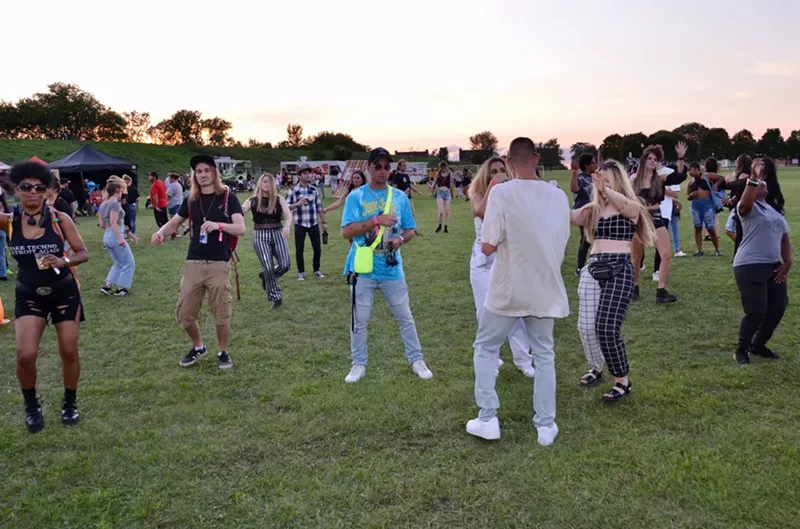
<point x="65" y="111"/>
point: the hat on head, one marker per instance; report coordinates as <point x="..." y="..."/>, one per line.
<point x="305" y="168"/>
<point x="379" y="154"/>
<point x="202" y="158"/>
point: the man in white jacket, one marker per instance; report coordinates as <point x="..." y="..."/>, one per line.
<point x="527" y="225"/>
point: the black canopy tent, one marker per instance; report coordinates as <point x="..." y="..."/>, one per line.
<point x="87" y="163"/>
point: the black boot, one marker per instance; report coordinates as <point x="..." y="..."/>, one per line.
<point x="34" y="419"/>
<point x="662" y="296"/>
<point x="635" y="296"/>
<point x="439" y="228"/>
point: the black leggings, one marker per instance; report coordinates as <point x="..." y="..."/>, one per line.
<point x="300" y="243"/>
<point x="657" y="260"/>
<point x="583" y="250"/>
<point x="764" y="302"/>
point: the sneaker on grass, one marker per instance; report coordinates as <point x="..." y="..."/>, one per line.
<point x="224" y="360"/>
<point x="357" y="372"/>
<point x="69" y="414"/>
<point x="489" y="430"/>
<point x="422" y="370"/>
<point x="193" y="356"/>
<point x="547" y="434"/>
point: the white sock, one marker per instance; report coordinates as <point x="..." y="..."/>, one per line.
<point x="202" y="346"/>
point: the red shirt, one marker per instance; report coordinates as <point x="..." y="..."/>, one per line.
<point x="158" y="194"/>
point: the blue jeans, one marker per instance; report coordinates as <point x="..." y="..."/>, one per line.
<point x="3" y="263"/>
<point x="676" y="241"/>
<point x="396" y="294"/>
<point x="132" y="217"/>
<point x="492" y="332"/>
<point x="123" y="267"/>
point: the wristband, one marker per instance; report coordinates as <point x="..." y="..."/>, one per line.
<point x="375" y="220"/>
<point x="752" y="183"/>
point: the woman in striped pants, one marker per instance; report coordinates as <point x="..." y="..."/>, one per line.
<point x="610" y="221"/>
<point x="272" y="220"/>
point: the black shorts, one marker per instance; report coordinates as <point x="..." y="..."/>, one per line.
<point x="658" y="220"/>
<point x="56" y="303"/>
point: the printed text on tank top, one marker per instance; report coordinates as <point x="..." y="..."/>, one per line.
<point x="24" y="251"/>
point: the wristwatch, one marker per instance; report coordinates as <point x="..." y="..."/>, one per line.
<point x="402" y="240"/>
<point x="66" y="260"/>
<point x="753" y="183"/>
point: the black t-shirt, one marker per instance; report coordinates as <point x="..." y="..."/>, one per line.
<point x="210" y="207"/>
<point x="401" y="181"/>
<point x="63" y="206"/>
<point x="133" y="195"/>
<point x="67" y="195"/>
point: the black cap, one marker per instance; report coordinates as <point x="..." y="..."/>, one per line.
<point x="379" y="154"/>
<point x="64" y="181"/>
<point x="202" y="158"/>
<point x="305" y="168"/>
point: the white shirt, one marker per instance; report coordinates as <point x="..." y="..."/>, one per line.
<point x="528" y="222"/>
<point x="666" y="204"/>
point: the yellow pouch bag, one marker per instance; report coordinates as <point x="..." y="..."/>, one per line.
<point x="363" y="262"/>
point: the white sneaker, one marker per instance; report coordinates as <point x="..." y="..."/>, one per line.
<point x="319" y="275"/>
<point x="357" y="372"/>
<point x="489" y="430"/>
<point x="680" y="254"/>
<point x="655" y="277"/>
<point x="547" y="434"/>
<point x="301" y="277"/>
<point x="528" y="371"/>
<point x="499" y="365"/>
<point x="422" y="370"/>
<point x="643" y="267"/>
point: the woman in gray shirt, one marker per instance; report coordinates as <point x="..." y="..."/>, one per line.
<point x="112" y="220"/>
<point x="762" y="263"/>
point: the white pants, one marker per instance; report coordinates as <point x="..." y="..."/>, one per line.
<point x="479" y="278"/>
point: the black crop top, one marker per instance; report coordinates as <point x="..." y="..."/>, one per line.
<point x="614" y="228"/>
<point x="275" y="218"/>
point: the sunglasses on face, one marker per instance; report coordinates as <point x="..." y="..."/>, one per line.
<point x="380" y="167"/>
<point x="27" y="187"/>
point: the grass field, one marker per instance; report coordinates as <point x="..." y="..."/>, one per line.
<point x="281" y="441"/>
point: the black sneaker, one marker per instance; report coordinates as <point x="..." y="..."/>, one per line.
<point x="764" y="352"/>
<point x="635" y="296"/>
<point x="106" y="290"/>
<point x="121" y="292"/>
<point x="69" y="414"/>
<point x="193" y="356"/>
<point x="445" y="230"/>
<point x="34" y="419"/>
<point x="698" y="254"/>
<point x="662" y="296"/>
<point x="263" y="281"/>
<point x="439" y="228"/>
<point x="277" y="304"/>
<point x="741" y="356"/>
<point x="224" y="360"/>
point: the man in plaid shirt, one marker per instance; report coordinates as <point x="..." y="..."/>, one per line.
<point x="306" y="206"/>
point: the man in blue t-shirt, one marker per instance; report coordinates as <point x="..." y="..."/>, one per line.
<point x="364" y="215"/>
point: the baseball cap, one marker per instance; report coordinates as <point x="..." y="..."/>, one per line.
<point x="202" y="158"/>
<point x="305" y="168"/>
<point x="379" y="154"/>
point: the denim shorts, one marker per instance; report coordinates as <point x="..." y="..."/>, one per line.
<point x="443" y="194"/>
<point x="703" y="213"/>
<point x="730" y="225"/>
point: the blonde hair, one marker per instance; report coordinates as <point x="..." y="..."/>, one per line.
<point x="272" y="195"/>
<point x="401" y="162"/>
<point x="123" y="186"/>
<point x="645" y="230"/>
<point x="481" y="182"/>
<point x="219" y="187"/>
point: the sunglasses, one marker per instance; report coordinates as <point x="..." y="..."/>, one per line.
<point x="27" y="187"/>
<point x="380" y="167"/>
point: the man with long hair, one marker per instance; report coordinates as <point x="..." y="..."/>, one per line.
<point x="216" y="220"/>
<point x="527" y="225"/>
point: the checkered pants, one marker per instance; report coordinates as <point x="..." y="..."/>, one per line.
<point x="601" y="312"/>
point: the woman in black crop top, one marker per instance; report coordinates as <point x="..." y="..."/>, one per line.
<point x="649" y="184"/>
<point x="272" y="220"/>
<point x="610" y="222"/>
<point x="46" y="289"/>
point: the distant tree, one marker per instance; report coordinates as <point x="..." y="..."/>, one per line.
<point x="691" y="134"/>
<point x="341" y="152"/>
<point x="667" y="140"/>
<point x="318" y="152"/>
<point x="216" y="130"/>
<point x="443" y="154"/>
<point x="793" y="145"/>
<point x="582" y="147"/>
<point x="551" y="153"/>
<point x="612" y="148"/>
<point x="294" y="135"/>
<point x="184" y="127"/>
<point x="284" y="145"/>
<point x="715" y="142"/>
<point x="136" y="126"/>
<point x="633" y="144"/>
<point x="483" y="141"/>
<point x="10" y="122"/>
<point x="253" y="143"/>
<point x="743" y="142"/>
<point x="772" y="144"/>
<point x="328" y="140"/>
<point x="111" y="127"/>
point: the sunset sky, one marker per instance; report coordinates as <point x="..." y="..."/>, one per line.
<point x="417" y="73"/>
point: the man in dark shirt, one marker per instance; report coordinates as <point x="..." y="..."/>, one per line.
<point x="581" y="186"/>
<point x="216" y="221"/>
<point x="402" y="182"/>
<point x="68" y="195"/>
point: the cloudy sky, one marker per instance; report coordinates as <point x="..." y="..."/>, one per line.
<point x="420" y="73"/>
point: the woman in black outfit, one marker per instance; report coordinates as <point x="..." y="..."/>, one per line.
<point x="46" y="289"/>
<point x="762" y="263"/>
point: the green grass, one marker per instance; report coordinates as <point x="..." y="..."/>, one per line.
<point x="281" y="441"/>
